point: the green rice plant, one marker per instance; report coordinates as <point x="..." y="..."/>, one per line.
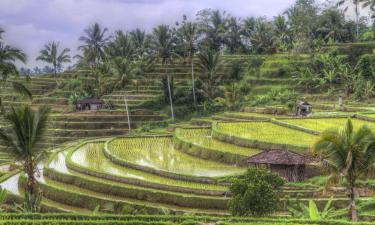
<point x="158" y="153"/>
<point x="79" y="197"/>
<point x="203" y="145"/>
<point x="265" y="132"/>
<point x="89" y="159"/>
<point x="323" y="124"/>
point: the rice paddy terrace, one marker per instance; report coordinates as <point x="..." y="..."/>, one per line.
<point x="182" y="172"/>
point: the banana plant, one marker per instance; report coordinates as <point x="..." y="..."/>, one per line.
<point x="312" y="212"/>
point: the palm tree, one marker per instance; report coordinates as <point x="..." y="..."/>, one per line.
<point x="189" y="37"/>
<point x="282" y="33"/>
<point x="8" y="56"/>
<point x="94" y="43"/>
<point x="163" y="43"/>
<point x="27" y="129"/>
<point x="123" y="70"/>
<point x="140" y="41"/>
<point x="50" y="54"/>
<point x="350" y="156"/>
<point x="356" y="5"/>
<point x="233" y="36"/>
<point x="210" y="62"/>
<point x="122" y="46"/>
<point x="214" y="26"/>
<point x="368" y="3"/>
<point x="1" y="32"/>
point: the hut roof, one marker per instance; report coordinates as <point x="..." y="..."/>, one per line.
<point x="91" y="101"/>
<point x="278" y="157"/>
<point x="303" y="103"/>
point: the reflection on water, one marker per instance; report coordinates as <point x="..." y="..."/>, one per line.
<point x="91" y="156"/>
<point x="58" y="162"/>
<point x="11" y="184"/>
<point x="159" y="153"/>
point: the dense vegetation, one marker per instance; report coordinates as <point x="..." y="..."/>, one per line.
<point x="139" y="160"/>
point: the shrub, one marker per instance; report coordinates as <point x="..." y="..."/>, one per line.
<point x="253" y="193"/>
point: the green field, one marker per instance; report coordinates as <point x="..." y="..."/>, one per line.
<point x="202" y="137"/>
<point x="266" y="132"/>
<point x="331" y="123"/>
<point x="90" y="157"/>
<point x="158" y="153"/>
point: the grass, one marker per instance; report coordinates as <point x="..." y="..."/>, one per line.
<point x="267" y="132"/>
<point x="202" y="137"/>
<point x="324" y="124"/>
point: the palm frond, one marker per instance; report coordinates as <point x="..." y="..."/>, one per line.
<point x="22" y="90"/>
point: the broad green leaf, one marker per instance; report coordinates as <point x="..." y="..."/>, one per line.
<point x="313" y="211"/>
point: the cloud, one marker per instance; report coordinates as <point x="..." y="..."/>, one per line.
<point x="32" y="23"/>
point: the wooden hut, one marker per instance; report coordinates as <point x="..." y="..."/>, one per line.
<point x="290" y="165"/>
<point x="90" y="104"/>
<point x="304" y="108"/>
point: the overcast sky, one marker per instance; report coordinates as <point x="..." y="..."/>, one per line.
<point x="30" y="24"/>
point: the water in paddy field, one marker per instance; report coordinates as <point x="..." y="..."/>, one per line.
<point x="91" y="156"/>
<point x="159" y="153"/>
<point x="58" y="162"/>
<point x="11" y="184"/>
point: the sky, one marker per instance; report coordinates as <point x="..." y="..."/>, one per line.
<point x="30" y="24"/>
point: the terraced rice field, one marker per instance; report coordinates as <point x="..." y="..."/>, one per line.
<point x="324" y="124"/>
<point x="267" y="132"/>
<point x="158" y="153"/>
<point x="202" y="137"/>
<point x="90" y="157"/>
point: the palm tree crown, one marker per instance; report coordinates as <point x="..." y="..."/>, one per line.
<point x="350" y="156"/>
<point x="8" y="56"/>
<point x="94" y="43"/>
<point x="27" y="128"/>
<point x="163" y="43"/>
<point x="51" y="54"/>
<point x="209" y="61"/>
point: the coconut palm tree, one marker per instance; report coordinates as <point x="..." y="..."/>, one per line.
<point x="368" y="3"/>
<point x="213" y="24"/>
<point x="123" y="70"/>
<point x="50" y="54"/>
<point x="164" y="43"/>
<point x="122" y="46"/>
<point x="140" y="41"/>
<point x="8" y="57"/>
<point x="349" y="155"/>
<point x="189" y="38"/>
<point x="1" y="32"/>
<point x="27" y="129"/>
<point x="356" y="5"/>
<point x="210" y="62"/>
<point x="94" y="43"/>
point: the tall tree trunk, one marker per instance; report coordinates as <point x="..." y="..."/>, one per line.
<point x="357" y="18"/>
<point x="55" y="74"/>
<point x="31" y="188"/>
<point x="170" y="96"/>
<point x="353" y="207"/>
<point x="193" y="80"/>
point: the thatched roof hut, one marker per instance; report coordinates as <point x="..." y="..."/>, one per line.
<point x="304" y="108"/>
<point x="290" y="165"/>
<point x="90" y="104"/>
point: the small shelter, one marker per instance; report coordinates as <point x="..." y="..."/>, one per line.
<point x="290" y="165"/>
<point x="90" y="104"/>
<point x="304" y="108"/>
